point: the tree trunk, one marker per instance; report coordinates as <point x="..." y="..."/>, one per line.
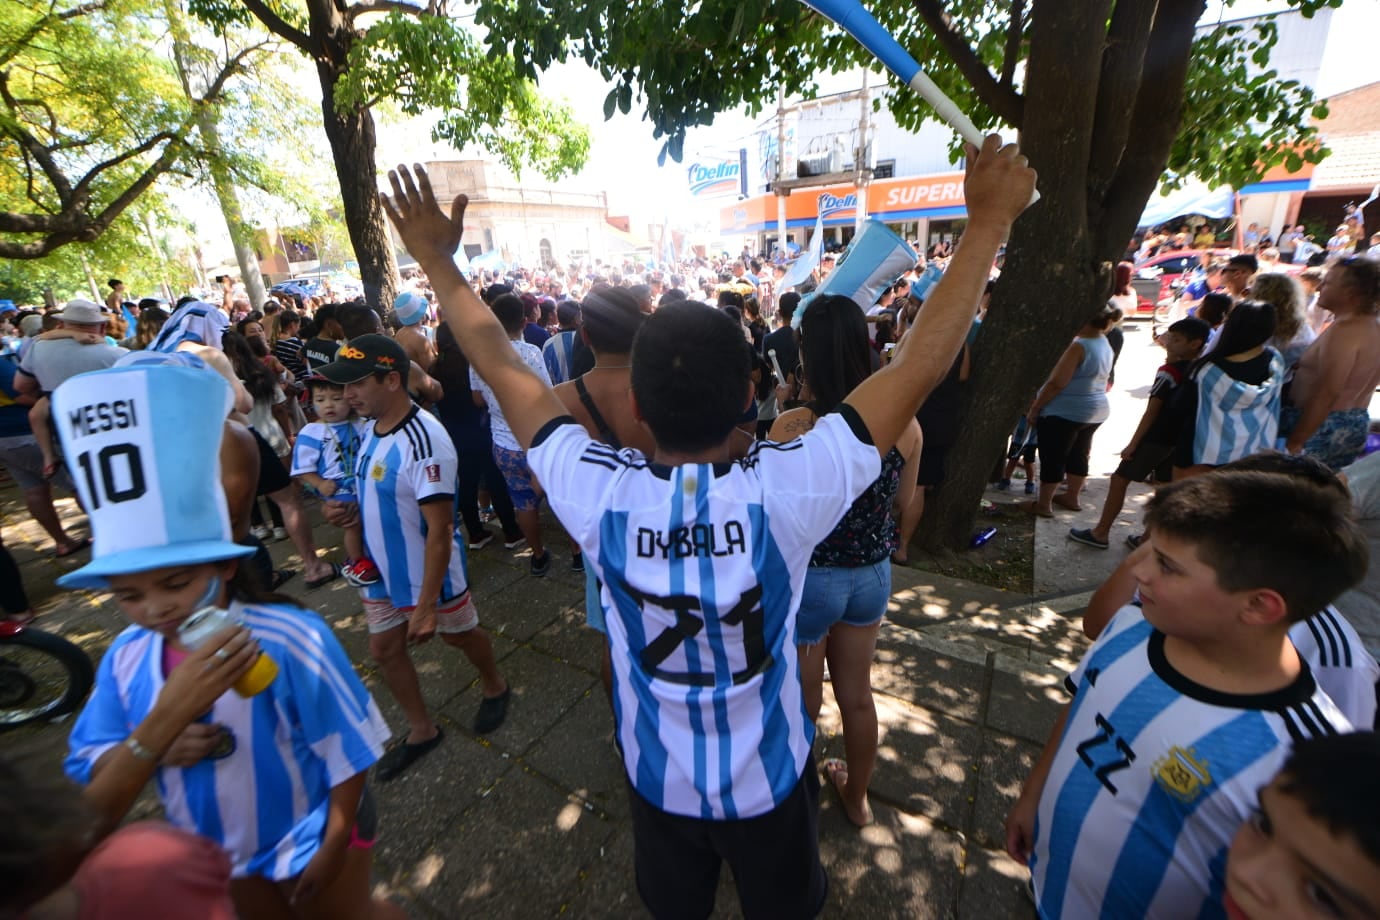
<point x="352" y="144"/>
<point x="240" y="234"/>
<point x="1052" y="280"/>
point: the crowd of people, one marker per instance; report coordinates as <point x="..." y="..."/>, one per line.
<point x="734" y="487"/>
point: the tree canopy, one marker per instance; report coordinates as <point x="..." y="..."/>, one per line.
<point x="91" y="116"/>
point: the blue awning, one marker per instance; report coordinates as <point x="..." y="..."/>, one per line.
<point x="1191" y="199"/>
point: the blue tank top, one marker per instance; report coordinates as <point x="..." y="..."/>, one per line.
<point x="1084" y="400"/>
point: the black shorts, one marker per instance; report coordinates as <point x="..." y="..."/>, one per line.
<point x="273" y="476"/>
<point x="774" y="858"/>
<point x="932" y="460"/>
<point x="1149" y="459"/>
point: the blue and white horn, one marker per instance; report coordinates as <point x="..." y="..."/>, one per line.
<point x="859" y="23"/>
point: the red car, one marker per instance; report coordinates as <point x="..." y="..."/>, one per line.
<point x="1153" y="279"/>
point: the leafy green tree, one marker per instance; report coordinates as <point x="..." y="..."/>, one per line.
<point x="426" y="63"/>
<point x="91" y="117"/>
<point x="1106" y="94"/>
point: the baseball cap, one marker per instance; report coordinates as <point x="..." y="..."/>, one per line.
<point x="362" y="356"/>
<point x="410" y="308"/>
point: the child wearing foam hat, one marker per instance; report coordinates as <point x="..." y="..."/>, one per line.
<point x="277" y="779"/>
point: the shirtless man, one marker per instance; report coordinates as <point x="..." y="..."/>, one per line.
<point x="410" y="310"/>
<point x="1329" y="417"/>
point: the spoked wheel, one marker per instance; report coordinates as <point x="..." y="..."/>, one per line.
<point x="42" y="676"/>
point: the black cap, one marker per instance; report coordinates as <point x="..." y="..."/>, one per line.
<point x="1245" y="260"/>
<point x="364" y="355"/>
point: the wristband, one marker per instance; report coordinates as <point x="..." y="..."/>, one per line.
<point x="138" y="750"/>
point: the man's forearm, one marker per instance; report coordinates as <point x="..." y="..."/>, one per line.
<point x="435" y="562"/>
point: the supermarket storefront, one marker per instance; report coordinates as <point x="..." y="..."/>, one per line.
<point x="918" y="207"/>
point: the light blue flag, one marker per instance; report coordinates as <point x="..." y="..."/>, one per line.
<point x="801" y="268"/>
<point x="668" y="243"/>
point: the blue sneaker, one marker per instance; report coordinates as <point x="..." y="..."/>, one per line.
<point x="1030" y="488"/>
<point x="1003" y="485"/>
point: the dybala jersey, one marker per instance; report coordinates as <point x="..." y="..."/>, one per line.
<point x="702" y="568"/>
<point x="399" y="471"/>
<point x="1153" y="777"/>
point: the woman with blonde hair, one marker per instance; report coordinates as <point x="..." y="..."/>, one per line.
<point x="1293" y="334"/>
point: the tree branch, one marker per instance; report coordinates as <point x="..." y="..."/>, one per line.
<point x="280" y="27"/>
<point x="383" y="6"/>
<point x="33" y="147"/>
<point x="1004" y="101"/>
<point x="1157" y="113"/>
<point x="1015" y="30"/>
<point x="1123" y="62"/>
<point x="81" y="192"/>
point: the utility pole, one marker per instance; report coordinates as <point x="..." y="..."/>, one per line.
<point x="780" y="172"/>
<point x="861" y="165"/>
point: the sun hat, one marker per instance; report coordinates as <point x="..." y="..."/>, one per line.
<point x="83" y="313"/>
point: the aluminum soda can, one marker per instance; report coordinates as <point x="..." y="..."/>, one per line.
<point x="210" y="620"/>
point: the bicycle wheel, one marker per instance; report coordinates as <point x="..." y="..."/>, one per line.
<point x="42" y="676"/>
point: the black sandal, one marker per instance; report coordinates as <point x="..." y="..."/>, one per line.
<point x="404" y="755"/>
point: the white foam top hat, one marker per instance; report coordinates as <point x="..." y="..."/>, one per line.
<point x="143" y="445"/>
<point x="873" y="260"/>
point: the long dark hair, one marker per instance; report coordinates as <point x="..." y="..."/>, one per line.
<point x="451" y="368"/>
<point x="258" y="379"/>
<point x="1250" y="324"/>
<point x="834" y="350"/>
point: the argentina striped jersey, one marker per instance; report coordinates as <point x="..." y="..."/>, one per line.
<point x="329" y="450"/>
<point x="1152" y="778"/>
<point x="559" y="353"/>
<point x="1235" y="419"/>
<point x="701" y="568"/>
<point x="398" y="471"/>
<point x="1343" y="667"/>
<point x="265" y="802"/>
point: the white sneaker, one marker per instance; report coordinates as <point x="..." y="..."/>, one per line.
<point x="260" y="533"/>
<point x="514" y="544"/>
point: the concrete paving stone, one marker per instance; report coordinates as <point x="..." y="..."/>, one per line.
<point x="920" y="598"/>
<point x="994" y="885"/>
<point x="489" y="575"/>
<point x="900" y="866"/>
<point x="448" y="681"/>
<point x="1002" y="770"/>
<point x="607" y="887"/>
<point x="578" y="754"/>
<point x="1025" y="704"/>
<point x="418" y="806"/>
<point x="923" y="759"/>
<point x="517" y="852"/>
<point x="520" y="611"/>
<point x="569" y="640"/>
<point x="904" y="667"/>
<point x="544" y="691"/>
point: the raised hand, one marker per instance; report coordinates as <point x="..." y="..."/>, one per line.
<point x="426" y="231"/>
<point x="1000" y="183"/>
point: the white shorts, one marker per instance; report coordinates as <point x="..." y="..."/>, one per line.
<point x="456" y="615"/>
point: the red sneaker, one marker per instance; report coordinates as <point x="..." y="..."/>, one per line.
<point x="361" y="572"/>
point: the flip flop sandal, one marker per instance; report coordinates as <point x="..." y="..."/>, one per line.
<point x="324" y="579"/>
<point x="1033" y="508"/>
<point x="282" y="577"/>
<point x="74" y="548"/>
<point x="394" y="762"/>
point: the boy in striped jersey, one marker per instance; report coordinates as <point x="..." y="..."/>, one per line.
<point x="702" y="562"/>
<point x="405" y="475"/>
<point x="1187" y="704"/>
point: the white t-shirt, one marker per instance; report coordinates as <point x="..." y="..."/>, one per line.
<point x="702" y="568"/>
<point x="502" y="434"/>
<point x="1153" y="777"/>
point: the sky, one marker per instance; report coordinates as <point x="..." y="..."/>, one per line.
<point x="623" y="154"/>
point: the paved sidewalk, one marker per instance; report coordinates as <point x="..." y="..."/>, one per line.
<point x="532" y="821"/>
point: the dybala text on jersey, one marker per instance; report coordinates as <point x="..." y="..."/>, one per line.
<point x="697" y="540"/>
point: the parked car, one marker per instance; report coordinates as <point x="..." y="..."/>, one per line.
<point x="1167" y="268"/>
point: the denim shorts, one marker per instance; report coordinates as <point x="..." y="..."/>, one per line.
<point x="855" y="596"/>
